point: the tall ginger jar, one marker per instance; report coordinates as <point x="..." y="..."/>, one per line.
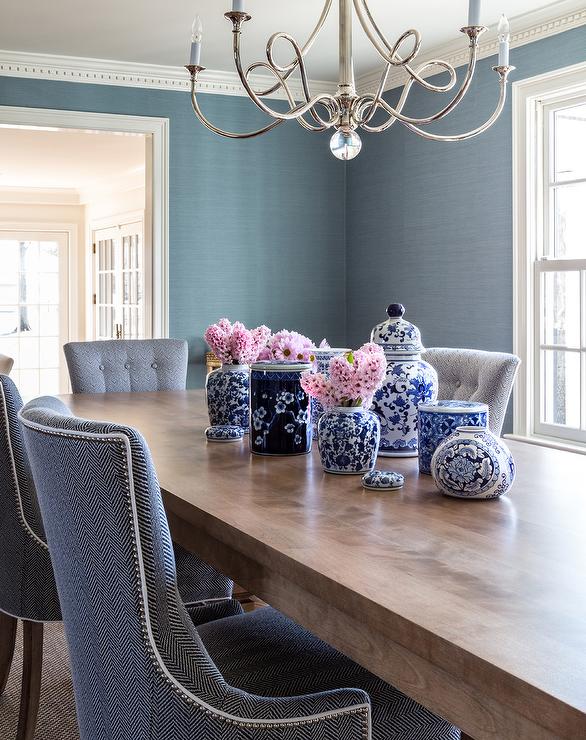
<point x="409" y="383"/>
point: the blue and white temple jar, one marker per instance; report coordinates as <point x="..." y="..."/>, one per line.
<point x="348" y="440"/>
<point x="280" y="410"/>
<point x="473" y="463"/>
<point x="322" y="365"/>
<point x="409" y="383"/>
<point x="439" y="419"/>
<point x="227" y="396"/>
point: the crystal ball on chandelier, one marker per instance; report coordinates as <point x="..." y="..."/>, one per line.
<point x="345" y="145"/>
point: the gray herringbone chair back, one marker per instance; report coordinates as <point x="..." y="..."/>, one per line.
<point x="475" y="375"/>
<point x="125" y="366"/>
<point x="140" y="669"/>
<point x="27" y="586"/>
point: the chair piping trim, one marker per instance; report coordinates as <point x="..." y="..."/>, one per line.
<point x="124" y="445"/>
<point x="21" y="516"/>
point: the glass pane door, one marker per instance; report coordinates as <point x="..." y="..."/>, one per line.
<point x="34" y="311"/>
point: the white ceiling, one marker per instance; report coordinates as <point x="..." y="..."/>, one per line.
<point x="83" y="161"/>
<point x="155" y="32"/>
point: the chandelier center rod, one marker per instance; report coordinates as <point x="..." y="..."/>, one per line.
<point x="346" y="85"/>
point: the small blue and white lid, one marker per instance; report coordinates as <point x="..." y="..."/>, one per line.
<point x="453" y="407"/>
<point x="224" y="433"/>
<point x="383" y="480"/>
<point x="397" y="335"/>
<point x="277" y="366"/>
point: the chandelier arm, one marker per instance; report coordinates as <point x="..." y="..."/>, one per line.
<point x="387" y="51"/>
<point x="214" y="129"/>
<point x="503" y="75"/>
<point x="290" y="68"/>
<point x="396" y="112"/>
<point x="296" y="111"/>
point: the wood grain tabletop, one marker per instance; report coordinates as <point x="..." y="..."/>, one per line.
<point x="476" y="609"/>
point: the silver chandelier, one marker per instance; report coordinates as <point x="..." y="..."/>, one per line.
<point x="347" y="111"/>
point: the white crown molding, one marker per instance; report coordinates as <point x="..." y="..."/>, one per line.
<point x="527" y="28"/>
<point x="127" y="74"/>
<point x="40" y="196"/>
<point x="539" y="24"/>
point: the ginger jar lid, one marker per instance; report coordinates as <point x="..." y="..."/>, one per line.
<point x="397" y="335"/>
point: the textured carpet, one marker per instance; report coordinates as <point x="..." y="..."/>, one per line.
<point x="57" y="719"/>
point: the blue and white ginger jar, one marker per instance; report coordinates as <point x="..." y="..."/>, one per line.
<point x="472" y="463"/>
<point x="227" y="396"/>
<point x="323" y="356"/>
<point x="280" y="410"/>
<point x="439" y="419"/>
<point x="409" y="383"/>
<point x="348" y="440"/>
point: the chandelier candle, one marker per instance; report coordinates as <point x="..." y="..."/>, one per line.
<point x="345" y="111"/>
<point x="196" y="37"/>
<point x="504" y="41"/>
<point x="474" y="13"/>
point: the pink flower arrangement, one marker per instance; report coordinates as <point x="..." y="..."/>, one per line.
<point x="234" y="344"/>
<point x="288" y="345"/>
<point x="354" y="378"/>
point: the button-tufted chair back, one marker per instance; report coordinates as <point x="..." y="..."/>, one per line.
<point x="6" y="364"/>
<point x="475" y="375"/>
<point x="127" y="366"/>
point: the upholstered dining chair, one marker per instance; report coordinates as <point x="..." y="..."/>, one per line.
<point x="161" y="677"/>
<point x="475" y="375"/>
<point x="125" y="366"/>
<point x="145" y="365"/>
<point x="27" y="586"/>
<point x="6" y="364"/>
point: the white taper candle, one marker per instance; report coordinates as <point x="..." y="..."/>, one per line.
<point x="504" y="41"/>
<point x="474" y="13"/>
<point x="196" y="38"/>
<point x="238" y="6"/>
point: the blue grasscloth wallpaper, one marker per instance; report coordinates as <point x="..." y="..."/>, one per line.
<point x="256" y="228"/>
<point x="430" y="224"/>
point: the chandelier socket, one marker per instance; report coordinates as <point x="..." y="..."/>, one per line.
<point x="194" y="70"/>
<point x="237" y="17"/>
<point x="474" y="32"/>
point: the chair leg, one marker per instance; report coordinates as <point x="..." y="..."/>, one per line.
<point x="7" y="642"/>
<point x="32" y="665"/>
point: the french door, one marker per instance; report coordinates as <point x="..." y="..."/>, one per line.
<point x="34" y="309"/>
<point x="121" y="304"/>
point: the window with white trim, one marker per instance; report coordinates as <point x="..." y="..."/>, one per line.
<point x="551" y="266"/>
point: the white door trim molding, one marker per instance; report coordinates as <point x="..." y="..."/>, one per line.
<point x="529" y="97"/>
<point x="159" y="181"/>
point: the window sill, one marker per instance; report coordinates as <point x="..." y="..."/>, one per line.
<point x="553" y="444"/>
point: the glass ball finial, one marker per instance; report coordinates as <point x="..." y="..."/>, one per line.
<point x="345" y="145"/>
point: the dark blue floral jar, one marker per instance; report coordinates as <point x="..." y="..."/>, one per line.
<point x="280" y="410"/>
<point x="227" y="396"/>
<point x="348" y="440"/>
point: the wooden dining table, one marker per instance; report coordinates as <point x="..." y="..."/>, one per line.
<point x="475" y="609"/>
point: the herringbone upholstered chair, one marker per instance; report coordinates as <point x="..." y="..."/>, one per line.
<point x="141" y="668"/>
<point x="474" y="375"/>
<point x="126" y="366"/>
<point x="145" y="365"/>
<point x="27" y="586"/>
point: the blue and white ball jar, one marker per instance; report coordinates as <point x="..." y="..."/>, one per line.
<point x="322" y="365"/>
<point x="280" y="410"/>
<point x="472" y="463"/>
<point x="348" y="440"/>
<point x="439" y="419"/>
<point x="409" y="383"/>
<point x="227" y="396"/>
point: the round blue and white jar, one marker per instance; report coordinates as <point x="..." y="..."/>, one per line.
<point x="227" y="396"/>
<point x="323" y="356"/>
<point x="439" y="419"/>
<point x="348" y="440"/>
<point x="409" y="383"/>
<point x="474" y="464"/>
<point x="280" y="410"/>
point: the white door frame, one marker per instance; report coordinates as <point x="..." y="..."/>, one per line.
<point x="157" y="184"/>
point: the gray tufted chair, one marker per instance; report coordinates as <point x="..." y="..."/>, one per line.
<point x="475" y="375"/>
<point x="126" y="366"/>
<point x="145" y="365"/>
<point x="27" y="586"/>
<point x="161" y="677"/>
<point x="6" y="364"/>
